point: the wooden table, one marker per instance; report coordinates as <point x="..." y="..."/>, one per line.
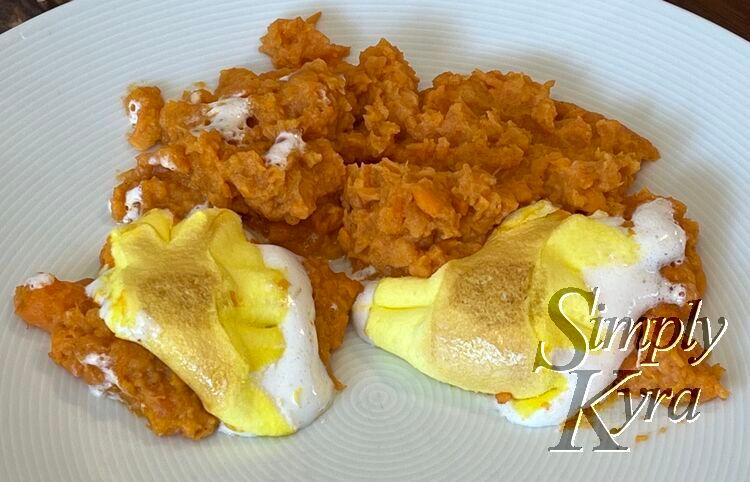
<point x="733" y="15"/>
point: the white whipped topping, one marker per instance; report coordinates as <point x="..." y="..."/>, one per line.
<point x="298" y="382"/>
<point x="134" y="108"/>
<point x="228" y="431"/>
<point x="285" y="143"/>
<point x="39" y="280"/>
<point x="344" y="265"/>
<point x="229" y="117"/>
<point x="133" y="202"/>
<point x="363" y="274"/>
<point x="145" y="328"/>
<point x="163" y="160"/>
<point x="361" y="310"/>
<point x="104" y="364"/>
<point x="340" y="265"/>
<point x="630" y="291"/>
<point x="198" y="207"/>
<point x="324" y="97"/>
<point x="614" y="221"/>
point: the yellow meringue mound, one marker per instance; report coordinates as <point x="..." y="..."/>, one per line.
<point x="198" y="295"/>
<point x="476" y="322"/>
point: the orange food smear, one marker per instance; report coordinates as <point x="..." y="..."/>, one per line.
<point x="334" y="295"/>
<point x="144" y="104"/>
<point x="503" y="397"/>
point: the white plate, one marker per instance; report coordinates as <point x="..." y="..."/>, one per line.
<point x="671" y="76"/>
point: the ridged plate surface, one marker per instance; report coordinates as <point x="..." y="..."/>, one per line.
<point x="671" y="76"/>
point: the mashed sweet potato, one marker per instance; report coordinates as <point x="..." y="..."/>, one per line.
<point x="430" y="172"/>
<point x="404" y="218"/>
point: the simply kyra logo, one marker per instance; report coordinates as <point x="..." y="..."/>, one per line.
<point x="651" y="336"/>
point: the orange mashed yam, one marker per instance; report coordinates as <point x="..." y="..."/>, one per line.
<point x="390" y="175"/>
<point x="430" y="172"/>
<point x="334" y="295"/>
<point x="144" y="104"/>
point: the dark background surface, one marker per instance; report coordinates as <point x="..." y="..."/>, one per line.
<point x="733" y="15"/>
